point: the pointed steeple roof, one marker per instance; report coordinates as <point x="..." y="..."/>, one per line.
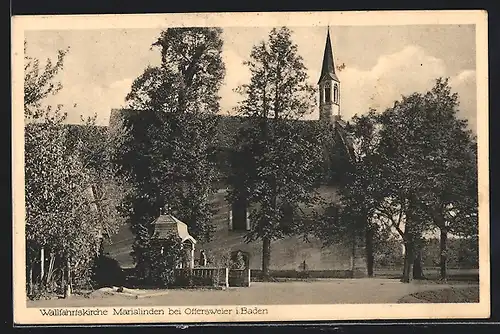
<point x="328" y="68"/>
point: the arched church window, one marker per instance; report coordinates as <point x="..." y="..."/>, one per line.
<point x="336" y="93"/>
<point x="328" y="93"/>
<point x="239" y="215"/>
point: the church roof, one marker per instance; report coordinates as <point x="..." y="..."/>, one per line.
<point x="167" y="225"/>
<point x="328" y="68"/>
<point x="228" y="126"/>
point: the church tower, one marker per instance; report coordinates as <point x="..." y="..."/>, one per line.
<point x="329" y="86"/>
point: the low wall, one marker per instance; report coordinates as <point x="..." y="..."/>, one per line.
<point x="239" y="277"/>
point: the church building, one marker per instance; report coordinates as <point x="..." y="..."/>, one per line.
<point x="231" y="220"/>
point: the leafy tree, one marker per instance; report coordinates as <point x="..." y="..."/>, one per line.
<point x="278" y="155"/>
<point x="427" y="167"/>
<point x="449" y="195"/>
<point x="54" y="193"/>
<point x="42" y="143"/>
<point x="400" y="176"/>
<point x="414" y="170"/>
<point x="351" y="214"/>
<point x="62" y="217"/>
<point x="97" y="146"/>
<point x="368" y="207"/>
<point x="356" y="182"/>
<point x="168" y="151"/>
<point x="38" y="84"/>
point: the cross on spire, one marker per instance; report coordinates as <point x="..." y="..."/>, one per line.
<point x="165" y="210"/>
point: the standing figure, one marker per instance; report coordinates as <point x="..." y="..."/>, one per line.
<point x="203" y="258"/>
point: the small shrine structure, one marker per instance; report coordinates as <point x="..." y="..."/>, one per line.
<point x="167" y="225"/>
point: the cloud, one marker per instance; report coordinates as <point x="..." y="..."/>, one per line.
<point x="98" y="72"/>
<point x="98" y="67"/>
<point x="81" y="100"/>
<point x="401" y="73"/>
<point x="464" y="84"/>
<point x="409" y="70"/>
<point x="236" y="74"/>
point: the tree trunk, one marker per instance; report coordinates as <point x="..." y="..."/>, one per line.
<point x="42" y="264"/>
<point x="411" y="242"/>
<point x="30" y="291"/>
<point x="418" y="272"/>
<point x="50" y="271"/>
<point x="369" y="251"/>
<point x="408" y="263"/>
<point x="67" y="290"/>
<point x="442" y="248"/>
<point x="266" y="257"/>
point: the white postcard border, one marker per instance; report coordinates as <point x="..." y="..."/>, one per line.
<point x="25" y="315"/>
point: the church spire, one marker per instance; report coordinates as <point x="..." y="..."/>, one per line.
<point x="329" y="86"/>
<point x="328" y="68"/>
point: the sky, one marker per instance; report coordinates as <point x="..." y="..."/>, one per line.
<point x="381" y="64"/>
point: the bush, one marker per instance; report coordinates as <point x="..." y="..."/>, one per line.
<point x="189" y="281"/>
<point x="165" y="257"/>
<point x="461" y="253"/>
<point x="238" y="262"/>
<point x="40" y="292"/>
<point x="303" y="274"/>
<point x="388" y="253"/>
<point x="107" y="272"/>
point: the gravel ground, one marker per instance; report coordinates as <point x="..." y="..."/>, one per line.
<point x="328" y="291"/>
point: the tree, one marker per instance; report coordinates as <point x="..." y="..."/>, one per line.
<point x="450" y="195"/>
<point x="60" y="217"/>
<point x="58" y="211"/>
<point x="400" y="176"/>
<point x="369" y="203"/>
<point x="38" y="85"/>
<point x="278" y="154"/>
<point x="356" y="182"/>
<point x="414" y="170"/>
<point x="428" y="166"/>
<point x="352" y="150"/>
<point x="387" y="250"/>
<point x="44" y="145"/>
<point x="168" y="150"/>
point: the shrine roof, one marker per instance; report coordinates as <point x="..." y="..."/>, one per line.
<point x="167" y="225"/>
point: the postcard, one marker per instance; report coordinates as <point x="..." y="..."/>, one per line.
<point x="250" y="167"/>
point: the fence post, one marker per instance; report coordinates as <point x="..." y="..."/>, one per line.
<point x="227" y="277"/>
<point x="248" y="275"/>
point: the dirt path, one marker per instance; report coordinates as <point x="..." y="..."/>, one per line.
<point x="332" y="291"/>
